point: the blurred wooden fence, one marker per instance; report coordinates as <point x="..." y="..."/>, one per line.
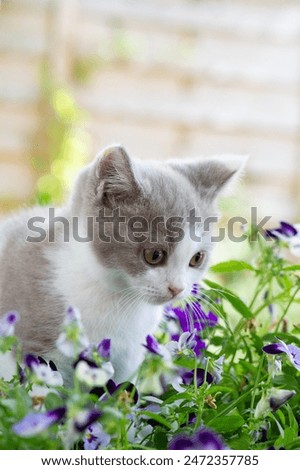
<point x="164" y="77"/>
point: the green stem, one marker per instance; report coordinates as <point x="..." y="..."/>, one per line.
<point x="200" y="393"/>
<point x="256" y="383"/>
<point x="287" y="308"/>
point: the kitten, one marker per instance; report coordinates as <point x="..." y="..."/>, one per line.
<point x="120" y="285"/>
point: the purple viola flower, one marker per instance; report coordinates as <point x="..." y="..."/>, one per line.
<point x="283" y="232"/>
<point x="188" y="377"/>
<point x="152" y="345"/>
<point x="103" y="348"/>
<point x="203" y="439"/>
<point x="293" y="352"/>
<point x="86" y="418"/>
<point x="192" y="316"/>
<point x="31" y="361"/>
<point x="95" y="437"/>
<point x="7" y="323"/>
<point x="35" y="423"/>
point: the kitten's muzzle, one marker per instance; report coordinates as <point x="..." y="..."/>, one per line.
<point x="175" y="290"/>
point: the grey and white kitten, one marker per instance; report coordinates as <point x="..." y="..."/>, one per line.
<point x="120" y="287"/>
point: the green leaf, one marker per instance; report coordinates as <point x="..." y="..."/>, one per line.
<point x="178" y="396"/>
<point x="292" y="419"/>
<point x="286" y="337"/>
<point x="226" y="424"/>
<point x="158" y="418"/>
<point x="286" y="439"/>
<point x="287" y="381"/>
<point x="53" y="401"/>
<point x="235" y="301"/>
<point x="231" y="267"/>
<point x="160" y="439"/>
<point x="294" y="267"/>
<point x="241" y="443"/>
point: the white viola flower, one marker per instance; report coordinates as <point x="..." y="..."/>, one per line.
<point x="48" y="376"/>
<point x="94" y="376"/>
<point x="43" y="371"/>
<point x="289" y="234"/>
<point x="185" y="342"/>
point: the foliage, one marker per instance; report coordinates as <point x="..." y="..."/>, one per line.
<point x="214" y="381"/>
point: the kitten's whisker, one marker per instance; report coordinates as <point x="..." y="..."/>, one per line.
<point x="201" y="318"/>
<point x="131" y="304"/>
<point x="211" y="304"/>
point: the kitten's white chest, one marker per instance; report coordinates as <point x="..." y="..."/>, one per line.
<point x="107" y="309"/>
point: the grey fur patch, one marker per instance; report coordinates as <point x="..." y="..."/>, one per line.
<point x="25" y="286"/>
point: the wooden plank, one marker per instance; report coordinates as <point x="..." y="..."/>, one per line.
<point x="22" y="30"/>
<point x="16" y="181"/>
<point x="276" y="24"/>
<point x="61" y="31"/>
<point x="209" y="106"/>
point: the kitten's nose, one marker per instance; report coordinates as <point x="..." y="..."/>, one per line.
<point x="175" y="290"/>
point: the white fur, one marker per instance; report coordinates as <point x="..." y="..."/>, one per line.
<point x="106" y="308"/>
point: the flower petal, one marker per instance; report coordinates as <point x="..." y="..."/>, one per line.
<point x="93" y="376"/>
<point x="85" y="418"/>
<point x="152" y="345"/>
<point x="7" y="323"/>
<point x="95" y="437"/>
<point x="280" y="397"/>
<point x="181" y="442"/>
<point x="188" y="377"/>
<point x="288" y="229"/>
<point x="35" y="423"/>
<point x="104" y="348"/>
<point x="274" y="348"/>
<point x="205" y="439"/>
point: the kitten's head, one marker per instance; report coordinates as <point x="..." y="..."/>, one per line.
<point x="157" y="248"/>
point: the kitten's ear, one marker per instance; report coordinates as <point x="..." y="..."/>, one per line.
<point x="116" y="180"/>
<point x="213" y="176"/>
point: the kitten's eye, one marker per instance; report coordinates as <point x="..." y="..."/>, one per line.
<point x="154" y="256"/>
<point x="197" y="259"/>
